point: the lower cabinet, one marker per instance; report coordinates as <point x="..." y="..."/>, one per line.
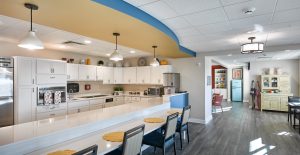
<point x="78" y="109"/>
<point x="276" y="102"/>
<point x="46" y="115"/>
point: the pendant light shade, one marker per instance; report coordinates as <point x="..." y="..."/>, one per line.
<point x="155" y="61"/>
<point x="252" y="47"/>
<point x="116" y="56"/>
<point x="31" y="41"/>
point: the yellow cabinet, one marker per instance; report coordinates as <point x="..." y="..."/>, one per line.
<point x="283" y="104"/>
<point x="276" y="102"/>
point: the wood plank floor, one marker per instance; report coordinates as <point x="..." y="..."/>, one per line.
<point x="241" y="131"/>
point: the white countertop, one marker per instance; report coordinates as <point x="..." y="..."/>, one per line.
<point x="32" y="136"/>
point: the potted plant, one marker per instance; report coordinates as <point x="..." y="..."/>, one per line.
<point x="118" y="90"/>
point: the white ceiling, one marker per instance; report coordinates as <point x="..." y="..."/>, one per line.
<point x="13" y="30"/>
<point x="215" y="25"/>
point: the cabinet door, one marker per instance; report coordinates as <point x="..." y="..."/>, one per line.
<point x="44" y="67"/>
<point x="118" y="75"/>
<point x="46" y="115"/>
<point x="99" y="73"/>
<point x="265" y="105"/>
<point x="284" y="103"/>
<point x="78" y="110"/>
<point x="25" y="105"/>
<point x="143" y="75"/>
<point x="59" y="67"/>
<point x="87" y="73"/>
<point x="129" y="75"/>
<point x="25" y="71"/>
<point x="275" y="103"/>
<point x="51" y="79"/>
<point x="72" y="72"/>
<point x="92" y="71"/>
<point x="108" y="75"/>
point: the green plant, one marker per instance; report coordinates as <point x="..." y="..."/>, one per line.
<point x="118" y="88"/>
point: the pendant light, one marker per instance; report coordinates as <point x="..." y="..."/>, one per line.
<point x="116" y="56"/>
<point x="252" y="47"/>
<point x="155" y="61"/>
<point x="31" y="41"/>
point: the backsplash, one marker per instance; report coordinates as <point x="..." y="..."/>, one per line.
<point x="137" y="87"/>
<point x="96" y="87"/>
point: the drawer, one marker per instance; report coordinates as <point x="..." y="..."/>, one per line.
<point x="119" y="98"/>
<point x="135" y="98"/>
<point x="95" y="106"/>
<point x="55" y="107"/>
<point x="51" y="79"/>
<point x="78" y="110"/>
<point x="97" y="101"/>
<point x="75" y="104"/>
<point x="51" y="114"/>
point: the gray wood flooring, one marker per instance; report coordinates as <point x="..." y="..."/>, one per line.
<point x="241" y="131"/>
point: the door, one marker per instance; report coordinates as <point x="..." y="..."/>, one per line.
<point x="44" y="67"/>
<point x="59" y="67"/>
<point x="130" y="75"/>
<point x="25" y="71"/>
<point x="72" y="72"/>
<point x="143" y="75"/>
<point x="87" y="73"/>
<point x="99" y="73"/>
<point x="118" y="75"/>
<point x="26" y="104"/>
<point x="236" y="91"/>
<point x="108" y="75"/>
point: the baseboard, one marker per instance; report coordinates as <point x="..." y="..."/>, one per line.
<point x="246" y="101"/>
<point x="200" y="121"/>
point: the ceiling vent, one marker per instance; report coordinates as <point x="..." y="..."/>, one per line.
<point x="72" y="43"/>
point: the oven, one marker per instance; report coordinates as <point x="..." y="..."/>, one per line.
<point x="49" y="95"/>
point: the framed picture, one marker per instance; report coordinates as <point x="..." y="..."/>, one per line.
<point x="237" y="73"/>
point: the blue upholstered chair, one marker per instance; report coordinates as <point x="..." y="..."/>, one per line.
<point x="182" y="124"/>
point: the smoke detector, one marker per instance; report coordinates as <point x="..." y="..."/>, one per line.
<point x="249" y="11"/>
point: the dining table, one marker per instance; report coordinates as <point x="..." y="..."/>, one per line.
<point x="295" y="106"/>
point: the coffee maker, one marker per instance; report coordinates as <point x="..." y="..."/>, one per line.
<point x="171" y="83"/>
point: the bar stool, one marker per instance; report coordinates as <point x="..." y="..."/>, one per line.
<point x="132" y="142"/>
<point x="92" y="150"/>
<point x="182" y="124"/>
<point x="158" y="139"/>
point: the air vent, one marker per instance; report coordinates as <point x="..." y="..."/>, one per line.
<point x="72" y="43"/>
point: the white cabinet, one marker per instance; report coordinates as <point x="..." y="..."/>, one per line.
<point x="78" y="106"/>
<point x="118" y="75"/>
<point x="25" y="89"/>
<point x="51" y="114"/>
<point x="72" y="72"/>
<point x="143" y="75"/>
<point x="108" y="75"/>
<point x="25" y="104"/>
<point x="51" y="79"/>
<point x="129" y="75"/>
<point x="157" y="73"/>
<point x="132" y="99"/>
<point x="78" y="110"/>
<point x="99" y="73"/>
<point x="87" y="72"/>
<point x="50" y="66"/>
<point x="97" y="103"/>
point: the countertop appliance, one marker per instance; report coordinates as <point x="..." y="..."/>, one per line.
<point x="6" y="91"/>
<point x="172" y="80"/>
<point x="237" y="90"/>
<point x="73" y="87"/>
<point x="155" y="91"/>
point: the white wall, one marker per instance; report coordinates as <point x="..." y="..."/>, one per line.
<point x="193" y="78"/>
<point x="291" y="67"/>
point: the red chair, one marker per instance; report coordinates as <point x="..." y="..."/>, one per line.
<point x="217" y="101"/>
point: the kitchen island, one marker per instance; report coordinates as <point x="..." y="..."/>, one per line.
<point x="34" y="137"/>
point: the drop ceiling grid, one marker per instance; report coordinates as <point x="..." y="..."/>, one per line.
<point x="197" y="20"/>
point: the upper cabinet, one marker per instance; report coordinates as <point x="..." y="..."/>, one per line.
<point x="129" y="75"/>
<point x="157" y="73"/>
<point x="72" y="72"/>
<point x="143" y="75"/>
<point x="118" y="75"/>
<point x="25" y="71"/>
<point x="87" y="72"/>
<point x="99" y="73"/>
<point x="50" y="67"/>
<point x="108" y="75"/>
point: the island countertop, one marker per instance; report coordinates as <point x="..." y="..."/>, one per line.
<point x="32" y="136"/>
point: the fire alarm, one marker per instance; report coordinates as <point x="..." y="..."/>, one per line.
<point x="87" y="87"/>
<point x="248" y="11"/>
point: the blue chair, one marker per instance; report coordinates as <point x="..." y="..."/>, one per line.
<point x="132" y="142"/>
<point x="182" y="124"/>
<point x="157" y="139"/>
<point x="92" y="150"/>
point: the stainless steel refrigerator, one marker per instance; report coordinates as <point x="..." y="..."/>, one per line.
<point x="237" y="90"/>
<point x="6" y="91"/>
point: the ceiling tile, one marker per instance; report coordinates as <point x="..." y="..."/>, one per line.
<point x="206" y="17"/>
<point x="159" y="10"/>
<point x="287" y="16"/>
<point x="214" y="28"/>
<point x="139" y="2"/>
<point x="287" y="4"/>
<point x="228" y="2"/>
<point x="186" y="32"/>
<point x="176" y="23"/>
<point x="249" y="22"/>
<point x="190" y="6"/>
<point x="261" y="7"/>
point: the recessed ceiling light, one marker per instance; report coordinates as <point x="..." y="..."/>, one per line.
<point x="62" y="46"/>
<point x="132" y="52"/>
<point x="229" y="55"/>
<point x="87" y="41"/>
<point x="278" y="58"/>
<point x="287" y="50"/>
<point x="108" y="54"/>
<point x="249" y="11"/>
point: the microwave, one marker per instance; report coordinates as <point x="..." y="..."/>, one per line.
<point x="157" y="91"/>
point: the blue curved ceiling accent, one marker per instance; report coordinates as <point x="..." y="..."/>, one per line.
<point x="135" y="12"/>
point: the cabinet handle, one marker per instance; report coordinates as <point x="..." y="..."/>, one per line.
<point x="33" y="90"/>
<point x="53" y="70"/>
<point x="32" y="81"/>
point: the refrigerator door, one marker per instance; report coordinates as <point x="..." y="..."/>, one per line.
<point x="6" y="97"/>
<point x="236" y="91"/>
